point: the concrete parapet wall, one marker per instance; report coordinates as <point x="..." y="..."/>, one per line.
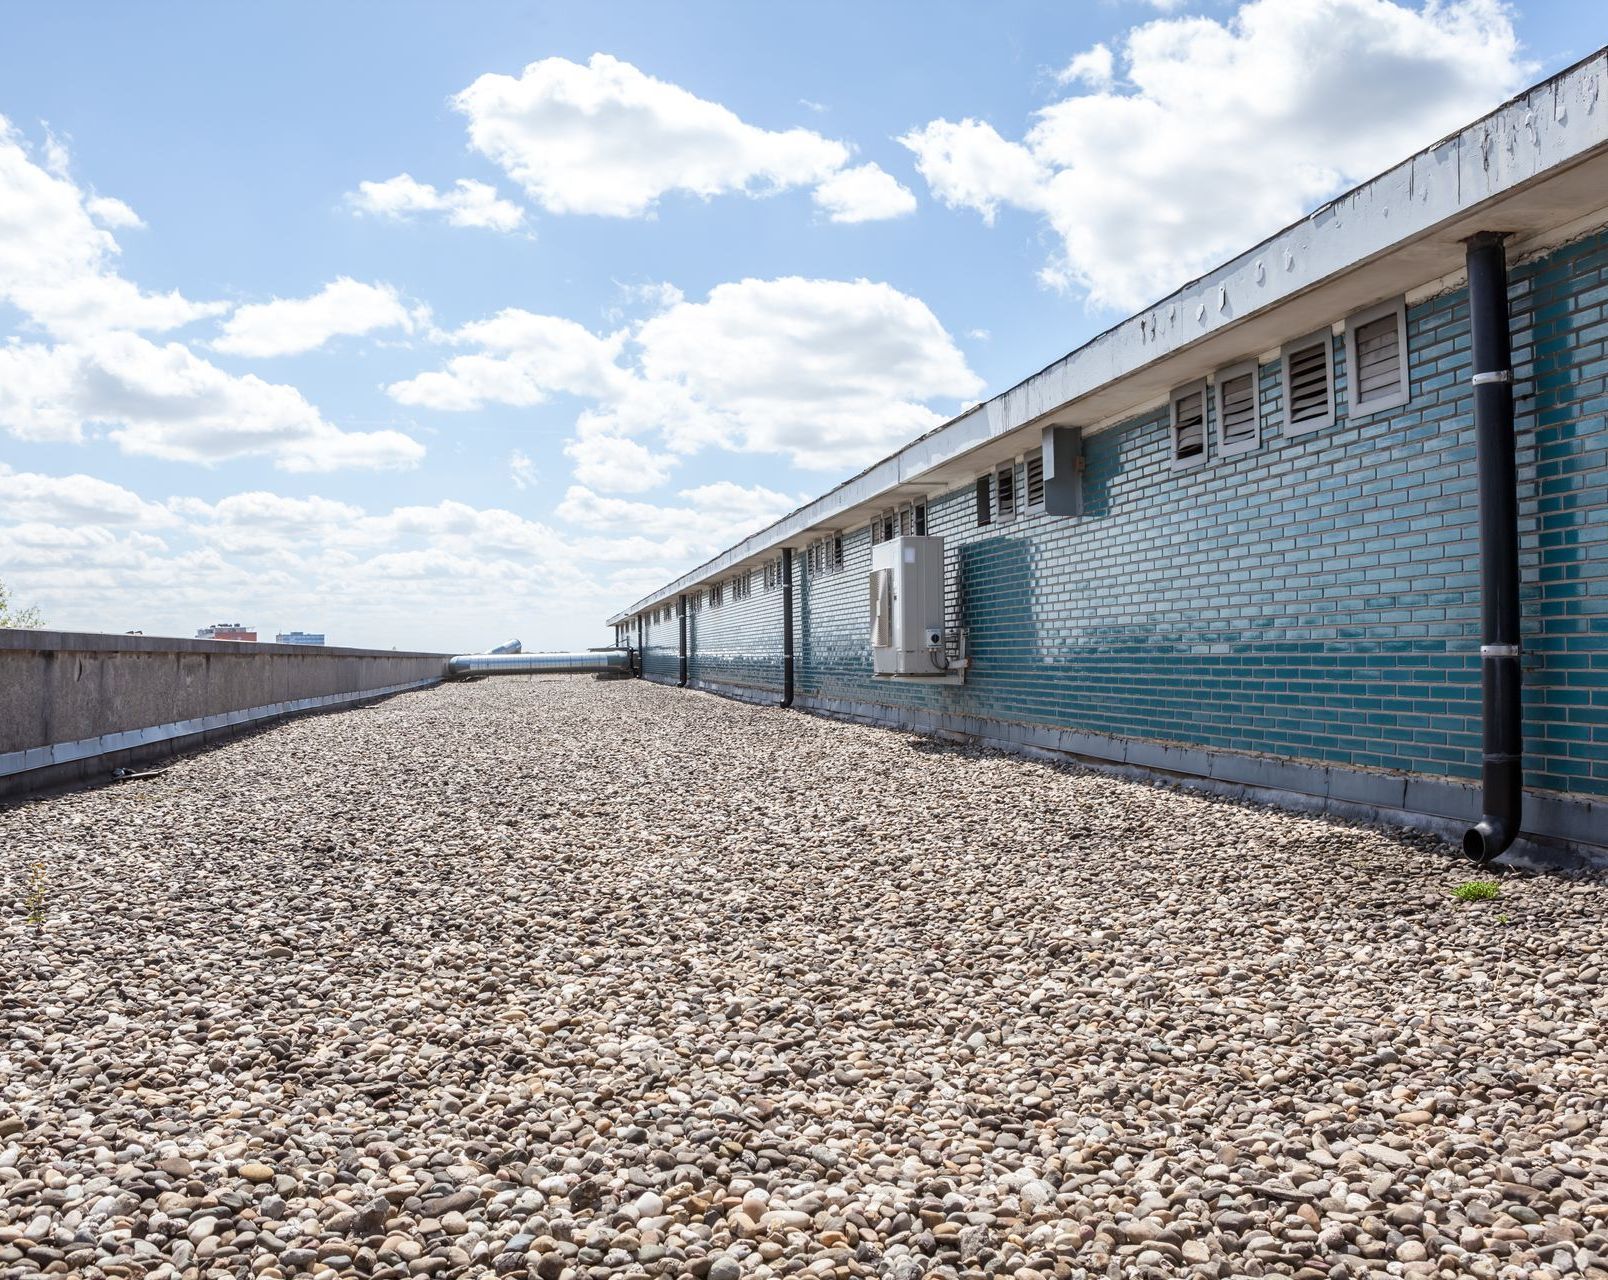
<point x="75" y="705"/>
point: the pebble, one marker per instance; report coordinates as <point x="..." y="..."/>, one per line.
<point x="559" y="979"/>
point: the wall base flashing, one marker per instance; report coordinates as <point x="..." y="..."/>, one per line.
<point x="1560" y="832"/>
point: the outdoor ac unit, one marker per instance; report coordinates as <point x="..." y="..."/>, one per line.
<point x="907" y="608"/>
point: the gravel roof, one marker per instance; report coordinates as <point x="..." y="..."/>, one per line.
<point x="567" y="978"/>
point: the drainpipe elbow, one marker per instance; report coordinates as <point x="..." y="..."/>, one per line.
<point x="1487" y="838"/>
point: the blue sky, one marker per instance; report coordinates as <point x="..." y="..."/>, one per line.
<point x="711" y="260"/>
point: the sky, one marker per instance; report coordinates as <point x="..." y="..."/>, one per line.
<point x="427" y="326"/>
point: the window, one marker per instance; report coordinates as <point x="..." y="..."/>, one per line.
<point x="1035" y="480"/>
<point x="1376" y="358"/>
<point x="985" y="505"/>
<point x="907" y="522"/>
<point x="887" y="527"/>
<point x="1239" y="416"/>
<point x="742" y="586"/>
<point x="825" y="555"/>
<point x="1309" y="384"/>
<point x="717" y="595"/>
<point x="1189" y="426"/>
<point x="921" y="519"/>
<point x="1005" y="488"/>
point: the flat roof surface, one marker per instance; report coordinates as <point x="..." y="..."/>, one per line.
<point x="517" y="977"/>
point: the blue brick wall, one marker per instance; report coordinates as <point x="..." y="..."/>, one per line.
<point x="738" y="642"/>
<point x="661" y="649"/>
<point x="1316" y="598"/>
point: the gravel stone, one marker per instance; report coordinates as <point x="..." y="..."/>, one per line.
<point x="567" y="979"/>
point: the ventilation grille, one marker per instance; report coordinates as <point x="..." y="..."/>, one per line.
<point x="1239" y="409"/>
<point x="1005" y="487"/>
<point x="1309" y="385"/>
<point x="1378" y="346"/>
<point x="1189" y="415"/>
<point x="1035" y="481"/>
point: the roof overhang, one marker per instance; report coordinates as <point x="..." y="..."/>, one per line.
<point x="1536" y="168"/>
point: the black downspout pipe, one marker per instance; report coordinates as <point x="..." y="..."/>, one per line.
<point x="681" y="613"/>
<point x="1503" y="772"/>
<point x="642" y="645"/>
<point x="787" y="626"/>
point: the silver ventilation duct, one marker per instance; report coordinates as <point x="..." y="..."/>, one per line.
<point x="609" y="662"/>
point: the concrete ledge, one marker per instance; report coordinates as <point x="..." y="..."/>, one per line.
<point x="14" y="762"/>
<point x="74" y="705"/>
<point x="1567" y="832"/>
<point x="95" y="759"/>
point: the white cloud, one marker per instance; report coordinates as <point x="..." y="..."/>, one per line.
<point x="161" y="400"/>
<point x="831" y="373"/>
<point x="466" y="204"/>
<point x="969" y="165"/>
<point x="524" y="360"/>
<point x="74" y="499"/>
<point x="604" y="138"/>
<point x="56" y="263"/>
<point x="864" y="194"/>
<point x="707" y="519"/>
<point x="86" y="550"/>
<point x="1093" y="67"/>
<point x="112" y="212"/>
<point x="98" y="556"/>
<point x="1217" y="133"/>
<point x="260" y="512"/>
<point x="617" y="464"/>
<point x="522" y="470"/>
<point x="290" y="326"/>
<point x="166" y="402"/>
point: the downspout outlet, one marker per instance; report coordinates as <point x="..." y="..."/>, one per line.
<point x="1486" y="839"/>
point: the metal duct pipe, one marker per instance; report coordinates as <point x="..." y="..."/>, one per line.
<point x="681" y="613"/>
<point x="597" y="662"/>
<point x="787" y="626"/>
<point x="1502" y="709"/>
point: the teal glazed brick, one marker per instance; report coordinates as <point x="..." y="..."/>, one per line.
<point x="1316" y="598"/>
<point x="738" y="643"/>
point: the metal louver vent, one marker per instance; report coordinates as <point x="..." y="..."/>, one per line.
<point x="1005" y="490"/>
<point x="1239" y="409"/>
<point x="1309" y="385"/>
<point x="1378" y="346"/>
<point x="1035" y="481"/>
<point x="1189" y="425"/>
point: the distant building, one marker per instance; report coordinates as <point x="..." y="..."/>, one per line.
<point x="299" y="637"/>
<point x="226" y="631"/>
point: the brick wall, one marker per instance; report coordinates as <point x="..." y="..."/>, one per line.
<point x="1316" y="598"/>
<point x="738" y="643"/>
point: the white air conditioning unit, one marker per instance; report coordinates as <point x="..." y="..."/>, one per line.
<point x="907" y="610"/>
